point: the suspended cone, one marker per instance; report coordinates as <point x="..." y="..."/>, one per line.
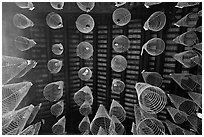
<point x="101" y="119"/>
<point x="84" y="125"/>
<point x="12" y="101"/>
<point x="183" y="104"/>
<point x="182" y="39"/>
<point x="119" y="129"/>
<point x="85" y="109"/>
<point x="197" y="98"/>
<point x="117" y="110"/>
<point x="187" y="132"/>
<point x="152" y="78"/>
<point x="174" y="129"/>
<point x="59" y="127"/>
<point x="195" y="122"/>
<point x="178" y="116"/>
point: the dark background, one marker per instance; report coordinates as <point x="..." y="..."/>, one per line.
<point x="101" y="38"/>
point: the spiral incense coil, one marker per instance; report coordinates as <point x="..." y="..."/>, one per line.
<point x="53" y="91"/>
<point x="117" y="86"/>
<point x="57" y="49"/>
<point x="178" y="116"/>
<point x="84" y="50"/>
<point x="84" y="125"/>
<point x="16" y="120"/>
<point x="85" y="73"/>
<point x="13" y="94"/>
<point x="118" y="4"/>
<point x="121" y="44"/>
<point x="151" y="99"/>
<point x="59" y="127"/>
<point x="150" y="126"/>
<point x="155" y="22"/>
<point x="54" y="66"/>
<point x="57" y="108"/>
<point x="84" y="94"/>
<point x="174" y="129"/>
<point x="117" y="110"/>
<point x="101" y="119"/>
<point x="183" y="104"/>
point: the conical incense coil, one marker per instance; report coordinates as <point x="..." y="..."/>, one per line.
<point x="57" y="108"/>
<point x="185" y="81"/>
<point x="178" y="116"/>
<point x="155" y="22"/>
<point x="154" y="47"/>
<point x="149" y="4"/>
<point x="141" y="114"/>
<point x="186" y="4"/>
<point x="17" y="120"/>
<point x="198" y="46"/>
<point x="37" y="127"/>
<point x="59" y="127"/>
<point x="12" y="97"/>
<point x="84" y="94"/>
<point x="119" y="128"/>
<point x="189" y="20"/>
<point x="133" y="129"/>
<point x="188" y="38"/>
<point x="197" y="98"/>
<point x="151" y="99"/>
<point x="150" y="126"/>
<point x="117" y="110"/>
<point x="183" y="104"/>
<point x="187" y="58"/>
<point x="101" y="119"/>
<point x="85" y="109"/>
<point x="118" y="4"/>
<point x="195" y="122"/>
<point x="101" y="131"/>
<point x="152" y="78"/>
<point x="84" y="125"/>
<point x="34" y="113"/>
<point x="174" y="129"/>
<point x="11" y="67"/>
<point x="28" y="131"/>
<point x="53" y="91"/>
